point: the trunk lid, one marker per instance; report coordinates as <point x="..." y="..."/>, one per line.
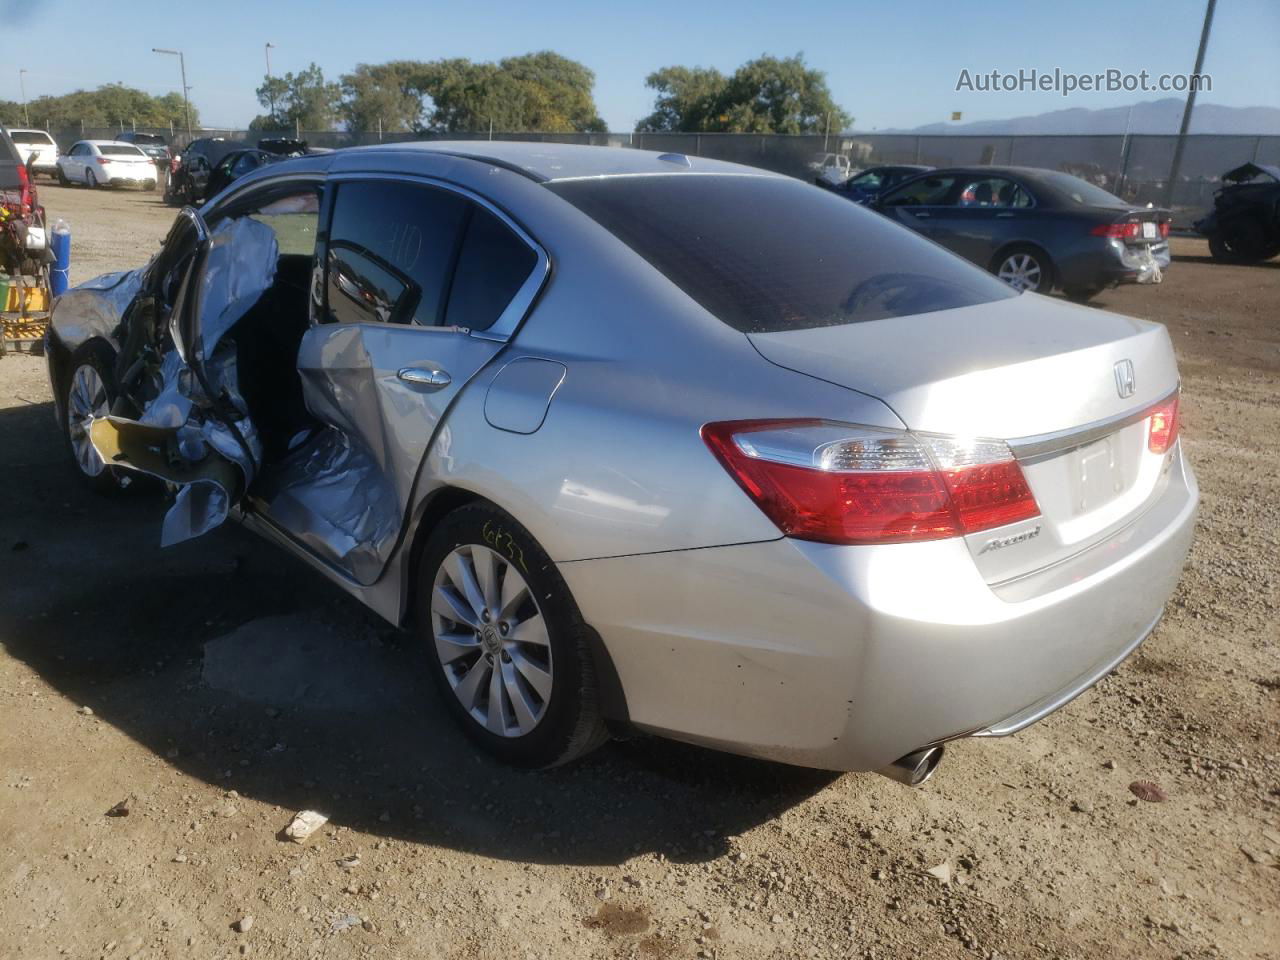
<point x="1052" y="378"/>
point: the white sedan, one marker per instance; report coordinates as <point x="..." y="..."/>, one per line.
<point x="100" y="163"/>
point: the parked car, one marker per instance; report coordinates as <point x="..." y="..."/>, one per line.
<point x="24" y="246"/>
<point x="234" y="166"/>
<point x="37" y="149"/>
<point x="14" y="176"/>
<point x="1244" y="225"/>
<point x="189" y="181"/>
<point x="815" y="489"/>
<point x="153" y="145"/>
<point x="829" y="169"/>
<point x="865" y="185"/>
<point x="283" y="146"/>
<point x="1035" y="229"/>
<point x="106" y="163"/>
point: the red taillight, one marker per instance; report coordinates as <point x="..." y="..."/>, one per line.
<point x="837" y="483"/>
<point x="1164" y="426"/>
<point x="1117" y="231"/>
<point x="1164" y="228"/>
<point x="102" y="160"/>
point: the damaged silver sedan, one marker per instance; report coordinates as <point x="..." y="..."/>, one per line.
<point x="649" y="440"/>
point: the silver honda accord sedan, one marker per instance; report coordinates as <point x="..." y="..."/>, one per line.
<point x="638" y="440"/>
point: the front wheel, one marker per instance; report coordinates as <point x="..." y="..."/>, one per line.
<point x="88" y="393"/>
<point x="505" y="641"/>
<point x="1024" y="269"/>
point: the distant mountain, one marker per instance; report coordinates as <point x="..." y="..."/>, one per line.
<point x="1151" y="116"/>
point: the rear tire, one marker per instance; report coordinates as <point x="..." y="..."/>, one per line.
<point x="526" y="645"/>
<point x="1024" y="268"/>
<point x="90" y="179"/>
<point x="1241" y="241"/>
<point x="89" y="390"/>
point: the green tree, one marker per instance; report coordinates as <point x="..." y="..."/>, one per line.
<point x="767" y="95"/>
<point x="385" y="95"/>
<point x="535" y="92"/>
<point x="111" y="105"/>
<point x="304" y="99"/>
<point x="686" y="97"/>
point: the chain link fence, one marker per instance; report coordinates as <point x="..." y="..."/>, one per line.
<point x="1135" y="167"/>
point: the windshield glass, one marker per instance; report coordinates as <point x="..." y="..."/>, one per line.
<point x="768" y="254"/>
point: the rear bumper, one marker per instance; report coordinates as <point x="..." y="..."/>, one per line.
<point x="850" y="657"/>
<point x="1108" y="262"/>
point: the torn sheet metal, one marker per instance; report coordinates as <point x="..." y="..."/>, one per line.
<point x="239" y="268"/>
<point x="336" y="500"/>
<point x="202" y="440"/>
<point x="94" y="309"/>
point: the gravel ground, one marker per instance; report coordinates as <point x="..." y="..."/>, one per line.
<point x="127" y="672"/>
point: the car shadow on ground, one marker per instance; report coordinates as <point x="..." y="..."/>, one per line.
<point x="175" y="648"/>
<point x="1190" y="258"/>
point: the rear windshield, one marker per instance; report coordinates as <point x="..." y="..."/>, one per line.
<point x="30" y="136"/>
<point x="148" y="138"/>
<point x="119" y="150"/>
<point x="768" y="254"/>
<point x="1082" y="193"/>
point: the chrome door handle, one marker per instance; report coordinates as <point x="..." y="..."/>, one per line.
<point x="1004" y="216"/>
<point x="421" y="377"/>
<point x="922" y="215"/>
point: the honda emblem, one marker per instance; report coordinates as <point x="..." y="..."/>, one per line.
<point x="1125" y="381"/>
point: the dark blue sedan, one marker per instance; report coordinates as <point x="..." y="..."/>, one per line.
<point x="1035" y="229"/>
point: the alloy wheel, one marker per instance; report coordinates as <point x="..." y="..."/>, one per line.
<point x="1021" y="271"/>
<point x="491" y="640"/>
<point x="86" y="399"/>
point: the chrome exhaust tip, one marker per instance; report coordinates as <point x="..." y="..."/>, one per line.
<point x="915" y="768"/>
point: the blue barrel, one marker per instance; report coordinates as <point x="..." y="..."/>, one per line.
<point x="60" y="244"/>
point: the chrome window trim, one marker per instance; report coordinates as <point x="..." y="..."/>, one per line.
<point x="514" y="313"/>
<point x="1046" y="444"/>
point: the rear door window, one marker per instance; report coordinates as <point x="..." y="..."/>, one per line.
<point x="392" y="251"/>
<point x="492" y="267"/>
<point x="768" y="254"/>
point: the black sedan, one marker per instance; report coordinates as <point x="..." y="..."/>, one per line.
<point x="235" y="165"/>
<point x="1035" y="229"/>
<point x="865" y="185"/>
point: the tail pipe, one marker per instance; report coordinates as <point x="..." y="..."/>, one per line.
<point x="915" y="768"/>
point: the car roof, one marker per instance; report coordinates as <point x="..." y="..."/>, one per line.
<point x="562" y="161"/>
<point x="27" y="130"/>
<point x="107" y="143"/>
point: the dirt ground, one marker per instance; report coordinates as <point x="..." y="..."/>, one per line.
<point x="223" y="687"/>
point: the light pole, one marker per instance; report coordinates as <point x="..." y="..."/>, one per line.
<point x="22" y="82"/>
<point x="1175" y="168"/>
<point x="182" y="64"/>
<point x="271" y="94"/>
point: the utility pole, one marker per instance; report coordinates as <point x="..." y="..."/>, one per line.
<point x="182" y="64"/>
<point x="22" y="82"/>
<point x="1175" y="168"/>
<point x="271" y="93"/>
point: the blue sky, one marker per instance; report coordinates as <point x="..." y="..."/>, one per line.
<point x="889" y="64"/>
